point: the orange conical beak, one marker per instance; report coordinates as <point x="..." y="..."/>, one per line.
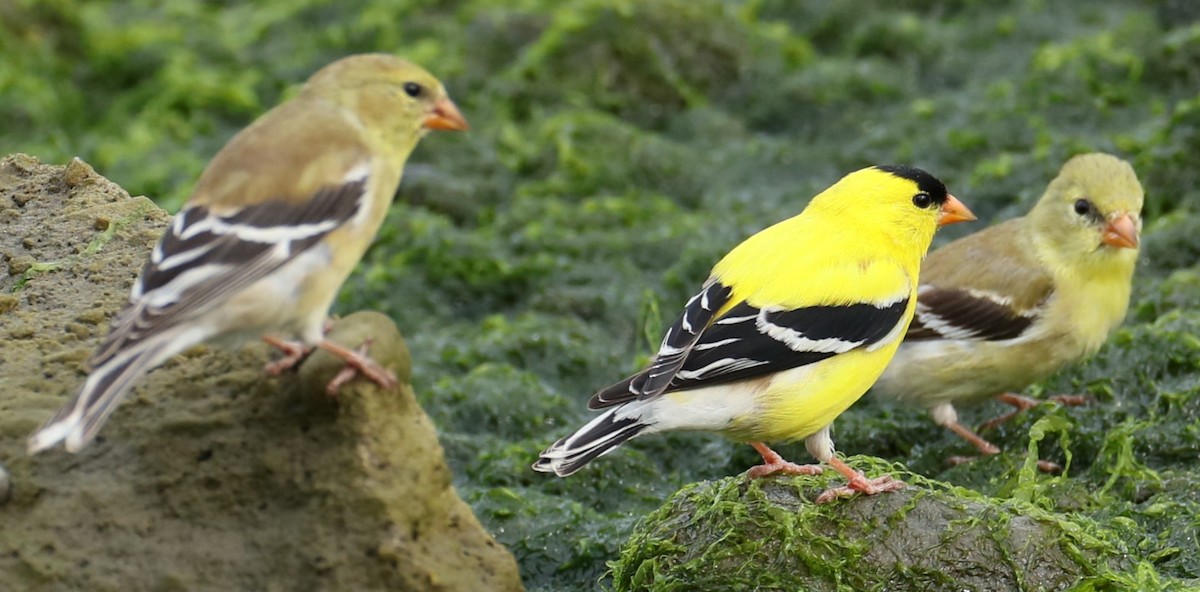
<point x="1121" y="232"/>
<point x="445" y="117"/>
<point x="954" y="211"/>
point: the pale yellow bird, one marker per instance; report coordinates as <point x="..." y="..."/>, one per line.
<point x="273" y="227"/>
<point x="1011" y="304"/>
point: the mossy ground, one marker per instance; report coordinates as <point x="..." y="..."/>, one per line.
<point x="619" y="148"/>
<point x="735" y="534"/>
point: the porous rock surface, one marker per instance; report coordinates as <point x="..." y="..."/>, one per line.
<point x="211" y="475"/>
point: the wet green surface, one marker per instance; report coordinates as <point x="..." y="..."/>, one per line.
<point x="619" y="149"/>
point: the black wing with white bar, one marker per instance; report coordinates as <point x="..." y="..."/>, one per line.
<point x="748" y="342"/>
<point x="676" y="346"/>
<point x="204" y="257"/>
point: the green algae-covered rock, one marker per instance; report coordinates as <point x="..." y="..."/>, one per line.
<point x="735" y="534"/>
<point x="211" y="475"/>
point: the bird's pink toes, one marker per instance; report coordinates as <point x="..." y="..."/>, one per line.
<point x="294" y="352"/>
<point x="773" y="463"/>
<point x="863" y="485"/>
<point x="357" y="362"/>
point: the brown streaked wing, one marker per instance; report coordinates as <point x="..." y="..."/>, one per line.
<point x="950" y="313"/>
<point x="988" y="285"/>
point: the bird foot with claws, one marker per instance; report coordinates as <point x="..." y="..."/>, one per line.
<point x="294" y="352"/>
<point x="357" y="362"/>
<point x="1048" y="467"/>
<point x="863" y="485"/>
<point x="773" y="464"/>
<point x="1023" y="403"/>
<point x="857" y="483"/>
<point x="785" y="468"/>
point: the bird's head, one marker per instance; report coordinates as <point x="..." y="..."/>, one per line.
<point x="397" y="101"/>
<point x="1091" y="212"/>
<point x="904" y="203"/>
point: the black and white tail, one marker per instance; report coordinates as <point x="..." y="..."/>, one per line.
<point x="78" y="421"/>
<point x="600" y="436"/>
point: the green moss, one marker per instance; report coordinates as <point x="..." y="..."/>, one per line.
<point x="735" y="534"/>
<point x="112" y="227"/>
<point x="643" y="61"/>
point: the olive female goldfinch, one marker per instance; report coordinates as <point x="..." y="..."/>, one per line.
<point x="1009" y="305"/>
<point x="791" y="328"/>
<point x="272" y="229"/>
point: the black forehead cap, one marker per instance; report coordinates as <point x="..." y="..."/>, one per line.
<point x="925" y="181"/>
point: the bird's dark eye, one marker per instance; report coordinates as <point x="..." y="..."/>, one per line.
<point x="412" y="89"/>
<point x="922" y="200"/>
<point x="1083" y="207"/>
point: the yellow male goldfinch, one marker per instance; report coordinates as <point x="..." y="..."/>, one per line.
<point x="1007" y="306"/>
<point x="790" y="329"/>
<point x="274" y="225"/>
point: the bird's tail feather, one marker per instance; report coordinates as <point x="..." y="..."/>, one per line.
<point x="600" y="436"/>
<point x="78" y="421"/>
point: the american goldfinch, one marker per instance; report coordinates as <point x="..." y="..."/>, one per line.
<point x="1007" y="306"/>
<point x="790" y="329"/>
<point x="274" y="225"/>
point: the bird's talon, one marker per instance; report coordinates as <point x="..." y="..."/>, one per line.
<point x="882" y="484"/>
<point x="857" y="482"/>
<point x="1071" y="400"/>
<point x="294" y="352"/>
<point x="785" y="467"/>
<point x="1048" y="467"/>
<point x="357" y="361"/>
<point x="773" y="463"/>
<point x="1023" y="403"/>
<point x="346" y="374"/>
<point x="833" y="493"/>
<point x="995" y="421"/>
